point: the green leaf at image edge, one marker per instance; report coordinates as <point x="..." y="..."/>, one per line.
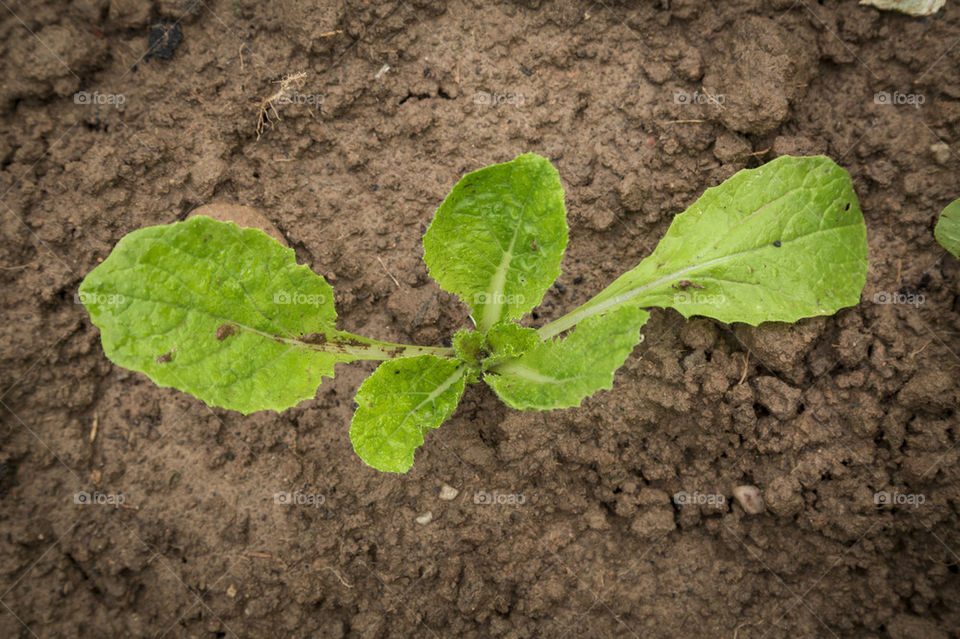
<point x="947" y="231"/>
<point x="214" y="310"/>
<point x="498" y="237"/>
<point x="398" y="403"/>
<point x="560" y="373"/>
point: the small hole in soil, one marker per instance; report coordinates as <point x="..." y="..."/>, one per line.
<point x="759" y="410"/>
<point x="256" y="174"/>
<point x="800" y="409"/>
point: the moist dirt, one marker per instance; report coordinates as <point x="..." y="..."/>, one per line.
<point x="615" y="519"/>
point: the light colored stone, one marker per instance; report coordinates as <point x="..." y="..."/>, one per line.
<point x="941" y="152"/>
<point x="749" y="498"/>
<point x="448" y="493"/>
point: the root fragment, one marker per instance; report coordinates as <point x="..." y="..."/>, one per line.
<point x="267" y="114"/>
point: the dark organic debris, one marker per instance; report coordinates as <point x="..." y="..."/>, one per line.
<point x="165" y="37"/>
<point x="224" y="331"/>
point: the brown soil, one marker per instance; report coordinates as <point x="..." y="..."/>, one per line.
<point x="823" y="415"/>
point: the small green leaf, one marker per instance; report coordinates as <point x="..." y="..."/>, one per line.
<point x="506" y="341"/>
<point x="947" y="231"/>
<point x="776" y="243"/>
<point x="220" y="312"/>
<point x="470" y="347"/>
<point x="559" y="373"/>
<point x="498" y="237"/>
<point x="398" y="403"/>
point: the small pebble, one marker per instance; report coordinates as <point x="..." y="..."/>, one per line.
<point x="749" y="498"/>
<point x="425" y="518"/>
<point x="941" y="152"/>
<point x="232" y="591"/>
<point x="448" y="493"/>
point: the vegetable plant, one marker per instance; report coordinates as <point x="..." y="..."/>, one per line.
<point x="226" y="314"/>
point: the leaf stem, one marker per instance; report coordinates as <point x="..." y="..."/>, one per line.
<point x="585" y="310"/>
<point x="604" y="301"/>
<point x="362" y="347"/>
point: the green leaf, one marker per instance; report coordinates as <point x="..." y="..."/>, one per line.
<point x="559" y="373"/>
<point x="776" y="243"/>
<point x="470" y="347"/>
<point x="947" y="231"/>
<point x="398" y="403"/>
<point x="498" y="237"/>
<point x="223" y="313"/>
<point x="506" y="341"/>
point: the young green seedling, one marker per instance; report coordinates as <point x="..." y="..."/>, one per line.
<point x="226" y="314"/>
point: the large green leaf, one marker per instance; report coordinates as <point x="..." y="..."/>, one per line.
<point x="396" y="405"/>
<point x="498" y="237"/>
<point x="776" y="243"/>
<point x="947" y="231"/>
<point x="559" y="373"/>
<point x="220" y="312"/>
